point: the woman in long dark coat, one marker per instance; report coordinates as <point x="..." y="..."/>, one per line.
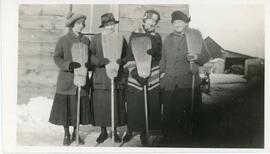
<point x="101" y="94"/>
<point x="183" y="52"/>
<point x="64" y="109"/>
<point x="134" y="91"/>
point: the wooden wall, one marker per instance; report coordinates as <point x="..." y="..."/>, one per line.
<point x="40" y="26"/>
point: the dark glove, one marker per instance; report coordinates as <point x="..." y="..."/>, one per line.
<point x="194" y="68"/>
<point x="140" y="80"/>
<point x="89" y="66"/>
<point x="121" y="62"/>
<point x="192" y="57"/>
<point x="74" y="65"/>
<point x="151" y="52"/>
<point x="103" y="62"/>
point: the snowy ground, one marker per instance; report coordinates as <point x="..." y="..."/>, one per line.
<point x="33" y="128"/>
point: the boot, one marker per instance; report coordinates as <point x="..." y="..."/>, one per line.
<point x="66" y="141"/>
<point x="103" y="135"/>
<point x="127" y="136"/>
<point x="117" y="139"/>
<point x="73" y="138"/>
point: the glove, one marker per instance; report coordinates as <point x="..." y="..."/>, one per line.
<point x="74" y="65"/>
<point x="103" y="62"/>
<point x="140" y="80"/>
<point x="194" y="68"/>
<point x="192" y="57"/>
<point x="89" y="66"/>
<point x="121" y="62"/>
<point x="150" y="52"/>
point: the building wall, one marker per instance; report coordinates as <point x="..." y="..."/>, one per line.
<point x="41" y="25"/>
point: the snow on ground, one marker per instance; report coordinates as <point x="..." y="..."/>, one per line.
<point x="33" y="128"/>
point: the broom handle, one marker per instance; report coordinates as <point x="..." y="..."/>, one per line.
<point x="192" y="88"/>
<point x="146" y="113"/>
<point x="78" y="116"/>
<point x="112" y="110"/>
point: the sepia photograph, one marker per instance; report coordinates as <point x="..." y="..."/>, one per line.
<point x="148" y="76"/>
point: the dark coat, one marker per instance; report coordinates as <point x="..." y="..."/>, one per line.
<point x="101" y="94"/>
<point x="62" y="58"/>
<point x="175" y="65"/>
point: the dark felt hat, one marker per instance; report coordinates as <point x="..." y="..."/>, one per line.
<point x="106" y="18"/>
<point x="178" y="15"/>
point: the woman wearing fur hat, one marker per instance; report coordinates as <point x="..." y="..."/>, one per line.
<point x="64" y="109"/>
<point x="183" y="52"/>
<point x="134" y="93"/>
<point x="106" y="44"/>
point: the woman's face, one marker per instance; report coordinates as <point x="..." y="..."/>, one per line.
<point x="109" y="27"/>
<point x="79" y="25"/>
<point x="150" y="24"/>
<point x="179" y="25"/>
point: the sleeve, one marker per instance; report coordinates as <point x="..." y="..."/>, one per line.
<point x="204" y="56"/>
<point x="124" y="50"/>
<point x="130" y="56"/>
<point x="59" y="56"/>
<point x="89" y="56"/>
<point x="163" y="60"/>
<point x="94" y="59"/>
<point x="157" y="47"/>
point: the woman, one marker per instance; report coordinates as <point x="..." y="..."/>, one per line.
<point x="64" y="109"/>
<point x="108" y="42"/>
<point x="183" y="52"/>
<point x="134" y="93"/>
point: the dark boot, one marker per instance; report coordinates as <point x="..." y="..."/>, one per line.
<point x="66" y="141"/>
<point x="117" y="139"/>
<point x="128" y="136"/>
<point x="103" y="135"/>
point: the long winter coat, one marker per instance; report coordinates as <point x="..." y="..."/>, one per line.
<point x="174" y="61"/>
<point x="62" y="58"/>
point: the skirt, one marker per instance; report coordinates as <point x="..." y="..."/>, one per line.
<point x="101" y="101"/>
<point x="64" y="110"/>
<point x="136" y="110"/>
<point x="177" y="108"/>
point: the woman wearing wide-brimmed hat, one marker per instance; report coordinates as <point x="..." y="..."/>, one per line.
<point x="64" y="109"/>
<point x="108" y="42"/>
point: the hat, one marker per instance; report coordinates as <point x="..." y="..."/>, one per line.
<point x="71" y="18"/>
<point x="106" y="18"/>
<point x="151" y="14"/>
<point x="178" y="15"/>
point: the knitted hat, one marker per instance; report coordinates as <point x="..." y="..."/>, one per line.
<point x="106" y="18"/>
<point x="178" y="15"/>
<point x="71" y="18"/>
<point x="151" y="14"/>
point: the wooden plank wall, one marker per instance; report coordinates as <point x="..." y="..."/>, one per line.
<point x="130" y="17"/>
<point x="40" y="26"/>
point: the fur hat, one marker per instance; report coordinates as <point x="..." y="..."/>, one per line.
<point x="151" y="14"/>
<point x="106" y="18"/>
<point x="178" y="15"/>
<point x="71" y="18"/>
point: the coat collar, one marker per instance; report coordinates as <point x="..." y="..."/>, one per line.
<point x="74" y="36"/>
